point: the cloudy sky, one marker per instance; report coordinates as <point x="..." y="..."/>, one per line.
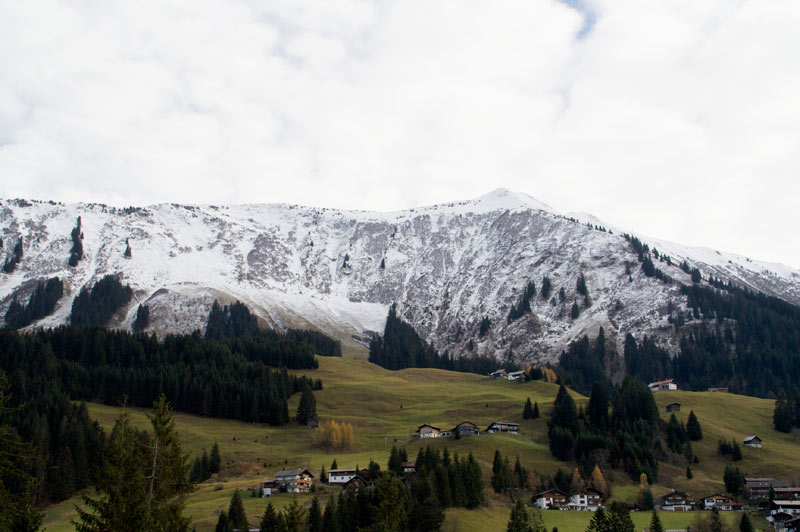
<point x="676" y="119"/>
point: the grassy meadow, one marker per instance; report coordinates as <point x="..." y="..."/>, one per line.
<point x="385" y="408"/>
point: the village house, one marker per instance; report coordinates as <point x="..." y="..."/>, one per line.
<point x="587" y="499"/>
<point x="340" y="476"/>
<point x="665" y="385"/>
<point x="718" y="390"/>
<point x="677" y="501"/>
<point x="516" y="376"/>
<point x="759" y="487"/>
<point x="428" y="431"/>
<point x="354" y="484"/>
<point x="313" y="423"/>
<point x="503" y="426"/>
<point x="499" y="374"/>
<point x="294" y="480"/>
<point x="792" y="525"/>
<point x="791" y="507"/>
<point x="409" y="467"/>
<point x="674" y="407"/>
<point x="786" y="493"/>
<point x="718" y="501"/>
<point x="465" y="428"/>
<point x="550" y="499"/>
<point x="752" y="441"/>
<point x="268" y="487"/>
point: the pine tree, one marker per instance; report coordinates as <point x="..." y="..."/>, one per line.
<point x="598" y="522"/>
<point x="693" y="429"/>
<point x="519" y="520"/>
<point x="581" y="285"/>
<point x="214" y="460"/>
<point x="395" y="464"/>
<point x="236" y="515"/>
<point x="323" y="475"/>
<point x="329" y="517"/>
<point x="222" y="522"/>
<point x="314" y="520"/>
<point x="334" y="465"/>
<point x="745" y="524"/>
<point x="689" y="473"/>
<point x="389" y="511"/>
<point x="270" y="521"/>
<point x="122" y="485"/>
<point x="618" y="518"/>
<point x="575" y="311"/>
<point x="307" y="409"/>
<point x="655" y="523"/>
<point x="736" y="455"/>
<point x="293" y="520"/>
<point x="527" y="411"/>
<point x="597" y="409"/>
<point x="535" y="410"/>
<point x="783" y="417"/>
<point x="564" y="414"/>
<point x="499" y="473"/>
<point x="17" y="486"/>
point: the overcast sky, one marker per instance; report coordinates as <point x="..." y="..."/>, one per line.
<point x="677" y="119"/>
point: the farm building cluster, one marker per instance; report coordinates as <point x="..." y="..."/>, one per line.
<point x="508" y="375"/>
<point x="465" y="428"/>
<point x="301" y="480"/>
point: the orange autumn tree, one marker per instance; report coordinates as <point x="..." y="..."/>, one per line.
<point x="336" y="435"/>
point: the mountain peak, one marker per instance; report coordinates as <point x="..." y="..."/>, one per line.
<point x="504" y="198"/>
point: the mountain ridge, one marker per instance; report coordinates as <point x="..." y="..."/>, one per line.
<point x="447" y="266"/>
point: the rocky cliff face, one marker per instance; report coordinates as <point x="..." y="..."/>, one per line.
<point x="447" y="266"/>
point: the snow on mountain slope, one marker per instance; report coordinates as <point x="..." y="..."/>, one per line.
<point x="447" y="266"/>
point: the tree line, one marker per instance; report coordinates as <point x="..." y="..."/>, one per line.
<point x="235" y="322"/>
<point x="201" y="377"/>
<point x="395" y="502"/>
<point x="96" y="305"/>
<point x="746" y="342"/>
<point x="401" y="347"/>
<point x="627" y="437"/>
<point x="41" y="303"/>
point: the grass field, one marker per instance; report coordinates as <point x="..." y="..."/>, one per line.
<point x="385" y="407"/>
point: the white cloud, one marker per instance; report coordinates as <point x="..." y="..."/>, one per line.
<point x="674" y="119"/>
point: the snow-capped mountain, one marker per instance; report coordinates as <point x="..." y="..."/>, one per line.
<point x="446" y="266"/>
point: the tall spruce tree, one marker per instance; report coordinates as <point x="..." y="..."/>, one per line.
<point x="655" y="523"/>
<point x="237" y="518"/>
<point x="17" y="486"/>
<point x="745" y="524"/>
<point x="519" y="521"/>
<point x="599" y="522"/>
<point x="527" y="411"/>
<point x="314" y="519"/>
<point x="693" y="429"/>
<point x="214" y="459"/>
<point x="270" y="521"/>
<point x="307" y="408"/>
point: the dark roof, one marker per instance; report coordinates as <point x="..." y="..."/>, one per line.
<point x="591" y="491"/>
<point x="717" y="495"/>
<point x="752" y="438"/>
<point x="549" y="491"/>
<point x="427" y="425"/>
<point x="293" y="473"/>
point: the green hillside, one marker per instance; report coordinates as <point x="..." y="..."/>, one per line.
<point x="385" y="407"/>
